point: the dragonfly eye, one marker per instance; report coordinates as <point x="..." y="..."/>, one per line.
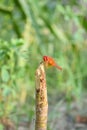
<point x="45" y="58"/>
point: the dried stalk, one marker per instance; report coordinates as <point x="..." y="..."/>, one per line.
<point x="41" y="99"/>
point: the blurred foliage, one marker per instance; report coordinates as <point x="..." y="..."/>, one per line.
<point x="31" y="29"/>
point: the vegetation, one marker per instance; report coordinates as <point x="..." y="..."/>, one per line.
<point x="30" y="29"/>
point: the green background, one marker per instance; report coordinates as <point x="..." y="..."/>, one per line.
<point x="30" y="29"/>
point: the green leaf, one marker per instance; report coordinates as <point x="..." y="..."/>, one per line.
<point x="6" y="91"/>
<point x="4" y="74"/>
